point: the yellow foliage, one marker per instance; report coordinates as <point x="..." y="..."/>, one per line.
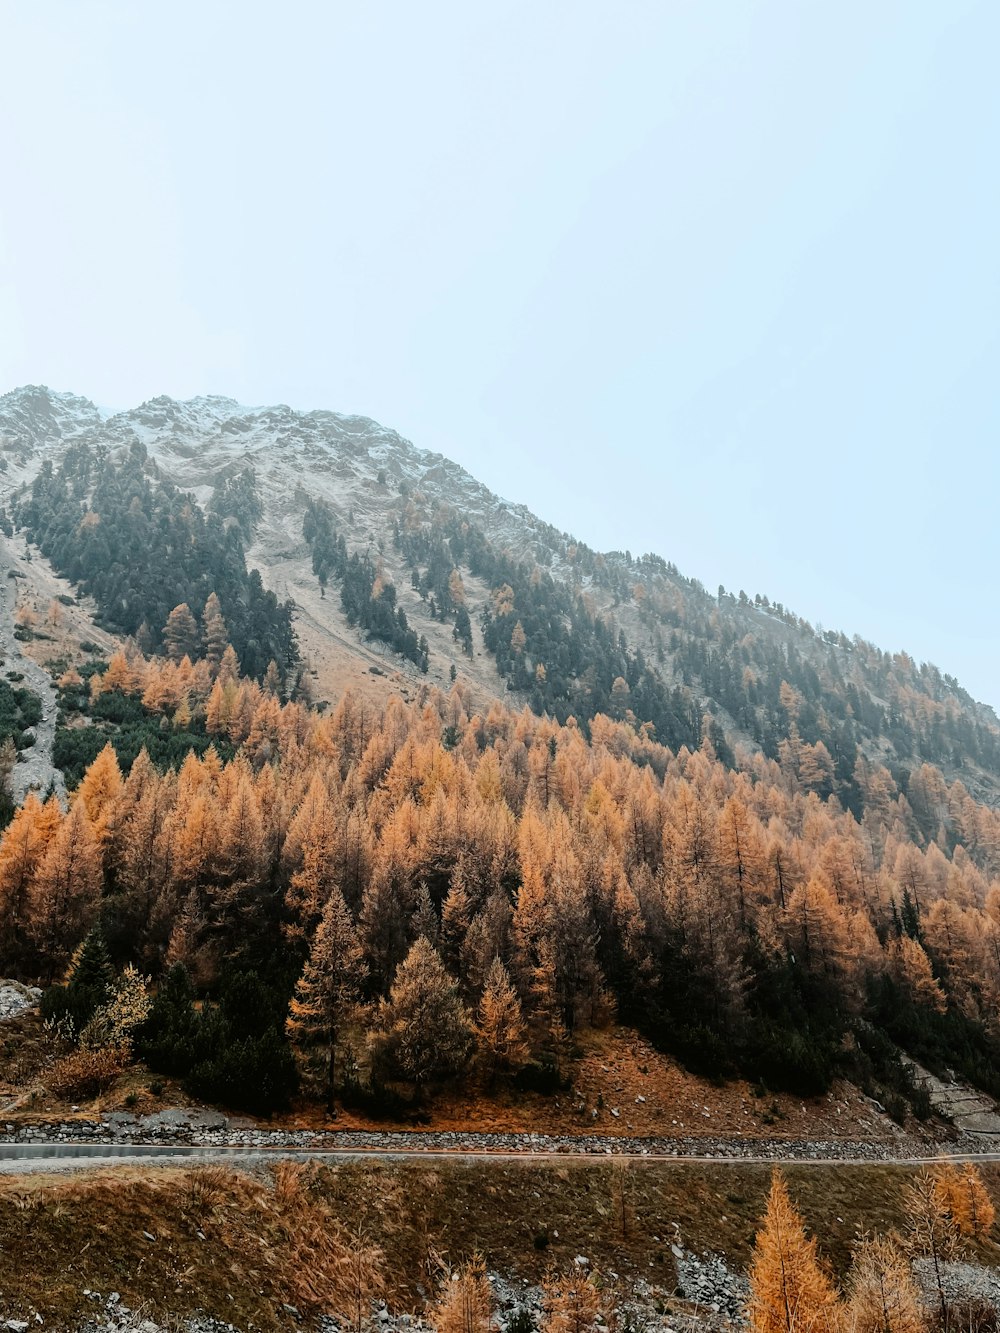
<point x="789" y="1290"/>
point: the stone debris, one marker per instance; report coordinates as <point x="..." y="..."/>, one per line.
<point x="710" y="1298"/>
<point x="210" y="1129"/>
<point x="961" y="1282"/>
<point x="16" y="999"/>
<point x="708" y="1281"/>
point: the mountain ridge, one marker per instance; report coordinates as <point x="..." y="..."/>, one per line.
<point x="720" y="657"/>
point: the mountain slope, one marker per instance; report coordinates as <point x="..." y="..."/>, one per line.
<point x="576" y="632"/>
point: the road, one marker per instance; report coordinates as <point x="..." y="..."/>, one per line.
<point x="25" y="1158"/>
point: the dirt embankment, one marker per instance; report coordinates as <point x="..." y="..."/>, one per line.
<point x="248" y="1248"/>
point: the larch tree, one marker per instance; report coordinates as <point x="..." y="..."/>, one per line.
<point x="740" y="855"/>
<point x="817" y="931"/>
<point x="193" y="833"/>
<point x="180" y="634"/>
<point x="912" y="971"/>
<point x="382" y="929"/>
<point x="273" y="682"/>
<point x="242" y="841"/>
<point x="789" y="1291"/>
<point x="465" y="1302"/>
<point x="961" y="1193"/>
<point x="572" y="1304"/>
<point x="315" y="875"/>
<point x="456" y="589"/>
<point x="100" y="791"/>
<point x="933" y="1231"/>
<point x="229" y="667"/>
<point x="456" y="913"/>
<point x="500" y="1028"/>
<point x="214" y="634"/>
<point x="422" y="1031"/>
<point x="219" y="709"/>
<point x="882" y="1296"/>
<point x="328" y="992"/>
<point x="21" y="852"/>
<point x="976" y="1211"/>
<point x="363" y="1275"/>
<point x="424" y="919"/>
<point x="116" y="1022"/>
<point x="66" y="891"/>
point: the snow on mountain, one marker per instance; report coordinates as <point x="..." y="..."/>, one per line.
<point x="295" y="455"/>
<point x="354" y="464"/>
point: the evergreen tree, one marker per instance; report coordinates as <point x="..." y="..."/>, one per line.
<point x="214" y="634"/>
<point x="465" y="1302"/>
<point x="180" y="633"/>
<point x="422" y="1032"/>
<point x="500" y="1028"/>
<point x="66" y="890"/>
<point x="329" y="989"/>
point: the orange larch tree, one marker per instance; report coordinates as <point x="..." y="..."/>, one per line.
<point x="789" y="1290"/>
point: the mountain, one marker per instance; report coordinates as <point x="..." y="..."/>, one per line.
<point x="589" y="793"/>
<point x="534" y="616"/>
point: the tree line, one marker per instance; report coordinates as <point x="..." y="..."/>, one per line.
<point x="519" y="881"/>
<point x="691" y="660"/>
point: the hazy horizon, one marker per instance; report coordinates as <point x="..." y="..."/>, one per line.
<point x="719" y="286"/>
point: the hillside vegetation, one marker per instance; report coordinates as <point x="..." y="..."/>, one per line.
<point x="408" y="894"/>
<point x="773" y="851"/>
<point x="483" y="587"/>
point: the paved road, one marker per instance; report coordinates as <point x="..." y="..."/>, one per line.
<point x="25" y="1158"/>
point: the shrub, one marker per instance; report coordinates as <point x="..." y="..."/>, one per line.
<point x="83" y="1074"/>
<point x="257" y="1074"/>
<point x="520" y="1321"/>
<point x="234" y="1053"/>
<point x="896" y="1107"/>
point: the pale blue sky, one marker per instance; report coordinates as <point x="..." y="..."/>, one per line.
<point x="718" y="280"/>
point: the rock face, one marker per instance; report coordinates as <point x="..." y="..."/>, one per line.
<point x="34" y="770"/>
<point x="16" y="999"/>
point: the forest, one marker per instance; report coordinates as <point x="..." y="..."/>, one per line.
<point x="715" y="666"/>
<point x="367" y="596"/>
<point x="367" y="903"/>
<point x="112" y="524"/>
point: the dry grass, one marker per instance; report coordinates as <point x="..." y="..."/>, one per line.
<point x="239" y="1245"/>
